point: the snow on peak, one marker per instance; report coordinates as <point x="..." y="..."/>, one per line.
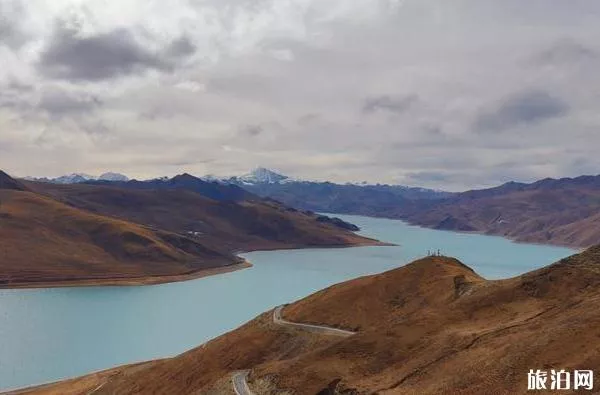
<point x="76" y="178"/>
<point x="73" y="178"/>
<point x="115" y="177"/>
<point x="262" y="175"/>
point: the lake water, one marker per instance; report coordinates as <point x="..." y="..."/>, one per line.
<point x="51" y="334"/>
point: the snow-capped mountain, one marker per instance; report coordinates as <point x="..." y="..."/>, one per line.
<point x="113" y="177"/>
<point x="212" y="178"/>
<point x="321" y="196"/>
<point x="74" y="178"/>
<point x="77" y="178"/>
<point x="262" y="175"/>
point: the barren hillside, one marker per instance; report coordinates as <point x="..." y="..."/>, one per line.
<point x="431" y="327"/>
<point x="88" y="234"/>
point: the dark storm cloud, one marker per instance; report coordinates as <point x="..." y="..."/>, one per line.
<point x="524" y="108"/>
<point x="103" y="56"/>
<point x="387" y="103"/>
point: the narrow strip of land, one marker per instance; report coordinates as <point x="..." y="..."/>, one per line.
<point x="127" y="281"/>
<point x="278" y="320"/>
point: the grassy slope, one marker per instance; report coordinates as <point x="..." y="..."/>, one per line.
<point x="432" y="327"/>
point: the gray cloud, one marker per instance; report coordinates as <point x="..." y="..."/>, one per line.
<point x="523" y="108"/>
<point x="11" y="34"/>
<point x="55" y="102"/>
<point x="206" y="79"/>
<point x="59" y="103"/>
<point x="309" y="119"/>
<point x="180" y="48"/>
<point x="387" y="103"/>
<point x="14" y="94"/>
<point x="72" y="56"/>
<point x="251" y="130"/>
<point x="427" y="177"/>
<point x="7" y="30"/>
<point x="566" y="51"/>
<point x="17" y="86"/>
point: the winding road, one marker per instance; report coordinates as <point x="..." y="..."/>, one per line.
<point x="240" y="379"/>
<point x="240" y="383"/>
<point x="324" y="330"/>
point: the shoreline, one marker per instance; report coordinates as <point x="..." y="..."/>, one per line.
<point x="155" y="280"/>
<point x="511" y="239"/>
<point x="173" y="278"/>
<point x="199" y="274"/>
<point x="517" y="240"/>
<point x="99" y="375"/>
<point x="130" y="281"/>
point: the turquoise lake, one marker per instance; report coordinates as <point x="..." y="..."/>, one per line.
<point x="52" y="334"/>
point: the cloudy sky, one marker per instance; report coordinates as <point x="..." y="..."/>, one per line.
<point x="449" y="94"/>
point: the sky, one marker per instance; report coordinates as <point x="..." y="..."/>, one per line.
<point x="449" y="94"/>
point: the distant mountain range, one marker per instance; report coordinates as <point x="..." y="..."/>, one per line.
<point x="554" y="211"/>
<point x="562" y="211"/>
<point x="320" y="196"/>
<point x="78" y="178"/>
<point x="261" y="180"/>
<point x="349" y="198"/>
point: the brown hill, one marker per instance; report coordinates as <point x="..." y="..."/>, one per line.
<point x="89" y="234"/>
<point x="431" y="327"/>
<point x="565" y="213"/>
<point x="231" y="225"/>
<point x="7" y="182"/>
<point x="42" y="240"/>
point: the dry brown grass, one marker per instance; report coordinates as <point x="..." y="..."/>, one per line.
<point x="44" y="240"/>
<point x="563" y="216"/>
<point x="230" y="226"/>
<point x="53" y="235"/>
<point x="432" y="327"/>
<point x="267" y="386"/>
